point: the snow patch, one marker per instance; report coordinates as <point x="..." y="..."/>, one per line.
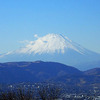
<point x="50" y="43"/>
<point x="8" y="53"/>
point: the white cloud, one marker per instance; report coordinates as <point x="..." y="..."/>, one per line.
<point x="25" y="41"/>
<point x="36" y="36"/>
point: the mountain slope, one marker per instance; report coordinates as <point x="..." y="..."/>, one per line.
<point x="34" y="71"/>
<point x="16" y="72"/>
<point x="52" y="47"/>
<point x="95" y="71"/>
<point x="89" y="65"/>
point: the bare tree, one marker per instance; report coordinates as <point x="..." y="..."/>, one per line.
<point x="49" y="92"/>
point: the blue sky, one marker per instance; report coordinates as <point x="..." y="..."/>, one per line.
<point x="77" y="19"/>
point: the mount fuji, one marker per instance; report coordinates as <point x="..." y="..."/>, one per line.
<point x="53" y="47"/>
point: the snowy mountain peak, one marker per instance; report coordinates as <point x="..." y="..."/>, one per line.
<point x="50" y="43"/>
<point x="54" y="48"/>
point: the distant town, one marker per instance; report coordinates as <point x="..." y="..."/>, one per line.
<point x="60" y="91"/>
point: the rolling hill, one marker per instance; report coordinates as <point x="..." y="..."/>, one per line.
<point x="39" y="71"/>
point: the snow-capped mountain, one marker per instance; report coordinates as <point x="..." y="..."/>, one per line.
<point x="50" y="43"/>
<point x="52" y="47"/>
